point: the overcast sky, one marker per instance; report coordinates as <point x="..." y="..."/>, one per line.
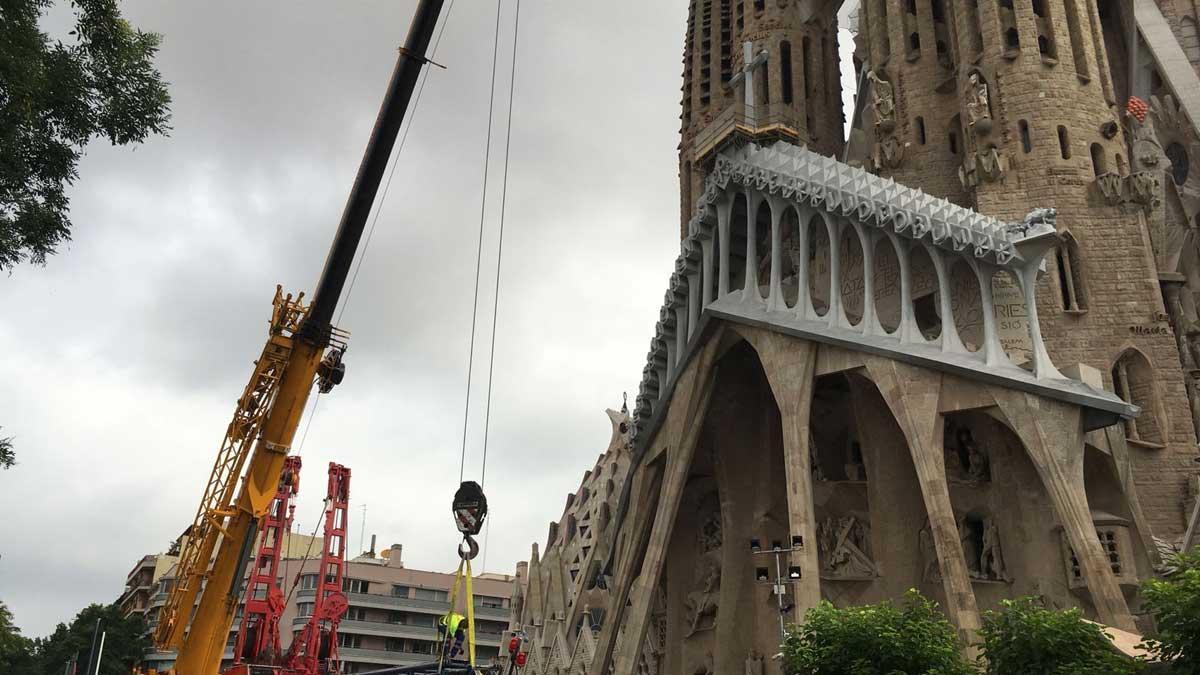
<point x="123" y="357"/>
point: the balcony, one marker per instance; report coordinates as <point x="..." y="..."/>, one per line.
<point x="401" y="630"/>
<point x="383" y="657"/>
<point x="436" y="607"/>
<point x="749" y="123"/>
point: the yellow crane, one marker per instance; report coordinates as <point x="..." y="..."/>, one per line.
<point x="303" y="348"/>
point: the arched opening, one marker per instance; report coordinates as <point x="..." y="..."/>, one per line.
<point x="910" y="6"/>
<point x="789" y="254"/>
<point x="785" y="70"/>
<point x="966" y="301"/>
<point x="1189" y="39"/>
<point x="886" y="270"/>
<point x="737" y="243"/>
<point x="1012" y="318"/>
<point x="851" y="284"/>
<point x="1044" y="46"/>
<point x="914" y="42"/>
<point x="927" y="309"/>
<point x="1099" y="161"/>
<point x="1039" y="8"/>
<point x="1180" y="163"/>
<point x="1076" y="33"/>
<point x="952" y="137"/>
<point x="819" y="264"/>
<point x="762" y="247"/>
<point x="1026" y="139"/>
<point x="1012" y="39"/>
<point x="806" y="58"/>
<point x="1069" y="264"/>
<point x="919" y="123"/>
<point x="1064" y="142"/>
<point x="1133" y="381"/>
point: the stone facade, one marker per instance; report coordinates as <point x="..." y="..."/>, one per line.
<point x="961" y="357"/>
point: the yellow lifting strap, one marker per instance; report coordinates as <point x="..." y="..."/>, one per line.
<point x="465" y="580"/>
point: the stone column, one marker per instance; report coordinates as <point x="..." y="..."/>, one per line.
<point x="1052" y="433"/>
<point x="913" y="395"/>
<point x="790" y="365"/>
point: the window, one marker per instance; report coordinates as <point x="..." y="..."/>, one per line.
<point x="304" y="609"/>
<point x="1099" y="161"/>
<point x="1133" y="381"/>
<point x="785" y="69"/>
<point x="1064" y="143"/>
<point x="1189" y="39"/>
<point x="920" y="124"/>
<point x="1026" y="139"/>
<point x="1039" y="8"/>
<point x="349" y="640"/>
<point x="1180" y="163"/>
<point x="1012" y="39"/>
<point x="760" y="5"/>
<point x="914" y="42"/>
<point x="355" y="585"/>
<point x="953" y="142"/>
<point x="430" y="594"/>
<point x="356" y="614"/>
<point x="394" y="645"/>
<point x="308" y="582"/>
<point x="1070" y="275"/>
<point x="1078" y="50"/>
<point x="489" y="601"/>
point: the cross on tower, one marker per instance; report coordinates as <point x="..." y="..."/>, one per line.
<point x="747" y="75"/>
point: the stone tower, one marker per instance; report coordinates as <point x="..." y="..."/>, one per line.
<point x="795" y="87"/>
<point x="1003" y="106"/>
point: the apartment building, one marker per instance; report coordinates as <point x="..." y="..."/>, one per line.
<point x="393" y="613"/>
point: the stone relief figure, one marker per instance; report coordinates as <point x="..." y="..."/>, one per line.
<point x="705" y="667"/>
<point x="818" y="474"/>
<point x="856" y="470"/>
<point x="992" y="560"/>
<point x="701" y="604"/>
<point x="754" y="663"/>
<point x="977" y="461"/>
<point x="979" y="109"/>
<point x="883" y="102"/>
<point x="711" y="537"/>
<point x="1147" y="151"/>
<point x="889" y="154"/>
<point x="844" y="546"/>
<point x="971" y="546"/>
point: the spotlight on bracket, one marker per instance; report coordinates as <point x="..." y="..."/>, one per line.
<point x="794" y="572"/>
<point x="797" y="541"/>
<point x="776" y="545"/>
<point x="762" y="575"/>
<point x="755" y="545"/>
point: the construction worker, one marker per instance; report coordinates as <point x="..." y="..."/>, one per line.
<point x="514" y="648"/>
<point x="453" y="629"/>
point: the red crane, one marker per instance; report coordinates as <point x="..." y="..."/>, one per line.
<point x="258" y="640"/>
<point x="314" y="650"/>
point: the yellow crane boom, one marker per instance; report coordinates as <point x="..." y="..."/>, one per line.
<point x="302" y="347"/>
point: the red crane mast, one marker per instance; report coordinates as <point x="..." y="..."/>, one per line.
<point x="258" y="639"/>
<point x="314" y="650"/>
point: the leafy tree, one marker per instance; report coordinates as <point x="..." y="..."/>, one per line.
<point x="7" y="456"/>
<point x="124" y="644"/>
<point x="1175" y="604"/>
<point x="16" y="651"/>
<point x="1027" y="638"/>
<point x="914" y="639"/>
<point x="54" y="99"/>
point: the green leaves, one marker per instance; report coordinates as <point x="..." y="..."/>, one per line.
<point x="1026" y="637"/>
<point x="883" y="639"/>
<point x="1175" y="604"/>
<point x="54" y="99"/>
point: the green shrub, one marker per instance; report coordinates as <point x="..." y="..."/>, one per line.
<point x="1175" y="604"/>
<point x="883" y="639"/>
<point x="1026" y="638"/>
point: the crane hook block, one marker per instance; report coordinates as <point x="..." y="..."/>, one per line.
<point x="470" y="508"/>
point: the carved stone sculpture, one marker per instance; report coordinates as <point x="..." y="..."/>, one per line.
<point x="889" y="154"/>
<point x="844" y="546"/>
<point x="856" y="470"/>
<point x="992" y="560"/>
<point x="1144" y="188"/>
<point x="702" y="603"/>
<point x="754" y="663"/>
<point x="979" y="110"/>
<point x="971" y="546"/>
<point x="1110" y="188"/>
<point x="931" y="567"/>
<point x="978" y="468"/>
<point x="883" y="102"/>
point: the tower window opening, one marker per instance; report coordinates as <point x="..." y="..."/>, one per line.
<point x="806" y="57"/>
<point x="1189" y="39"/>
<point x="1045" y="46"/>
<point x="910" y="6"/>
<point x="1099" y="161"/>
<point x="1064" y="142"/>
<point x="760" y="5"/>
<point x="953" y="142"/>
<point x="1026" y="139"/>
<point x="914" y="42"/>
<point x="1180" y="163"/>
<point x="1070" y="275"/>
<point x="785" y="70"/>
<point x="1012" y="39"/>
<point x="939" y="11"/>
<point x="1133" y="381"/>
<point x="920" y="124"/>
<point x="1076" y="33"/>
<point x="1039" y="8"/>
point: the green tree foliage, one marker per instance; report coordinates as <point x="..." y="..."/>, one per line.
<point x="7" y="456"/>
<point x="55" y="97"/>
<point x="884" y="639"/>
<point x="1027" y="638"/>
<point x="124" y="644"/>
<point x="16" y="651"/>
<point x="1175" y="604"/>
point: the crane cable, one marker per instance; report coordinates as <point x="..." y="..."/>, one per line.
<point x="487" y="416"/>
<point x="487" y="157"/>
<point x="312" y="413"/>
